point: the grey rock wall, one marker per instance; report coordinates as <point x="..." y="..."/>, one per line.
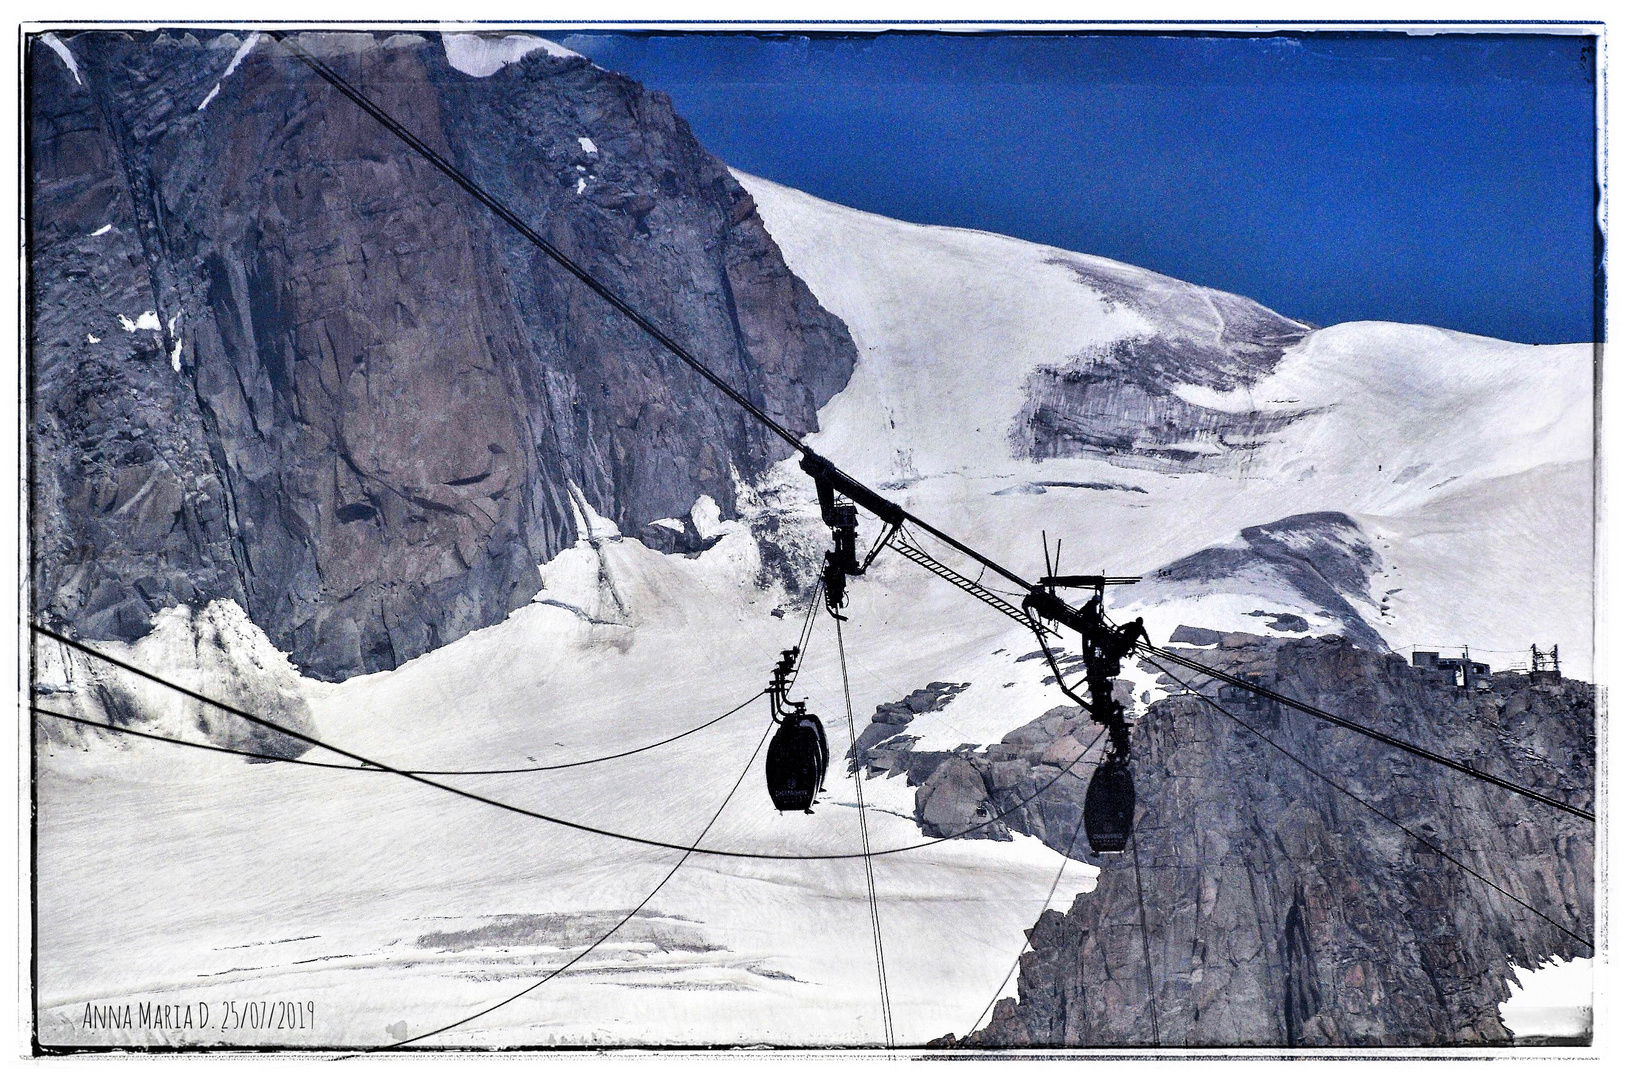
<point x="1278" y="910"/>
<point x="1120" y="401"/>
<point x="360" y="401"/>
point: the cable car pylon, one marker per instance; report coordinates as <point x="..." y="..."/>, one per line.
<point x="1109" y="801"/>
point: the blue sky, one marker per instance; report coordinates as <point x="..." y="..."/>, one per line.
<point x="1444" y="179"/>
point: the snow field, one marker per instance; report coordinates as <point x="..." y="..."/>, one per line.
<point x="346" y="875"/>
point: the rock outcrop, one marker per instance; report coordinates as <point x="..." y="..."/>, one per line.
<point x="1123" y="400"/>
<point x="1321" y="563"/>
<point x="1279" y="910"/>
<point x="277" y="358"/>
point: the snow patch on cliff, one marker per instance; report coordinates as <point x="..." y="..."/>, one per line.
<point x="147" y="320"/>
<point x="57" y="46"/>
<point x="479" y="56"/>
<point x="237" y="58"/>
<point x="590" y="524"/>
<point x="242" y="52"/>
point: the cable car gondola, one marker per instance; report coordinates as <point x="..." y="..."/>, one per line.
<point x="1109" y="807"/>
<point x="797" y="759"/>
<point x="798" y="753"/>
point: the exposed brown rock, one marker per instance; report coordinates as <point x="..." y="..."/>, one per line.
<point x="384" y="393"/>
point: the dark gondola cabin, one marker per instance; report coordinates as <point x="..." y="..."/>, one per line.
<point x="1109" y="808"/>
<point x="797" y="759"/>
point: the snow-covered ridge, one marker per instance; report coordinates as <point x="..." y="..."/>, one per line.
<point x="1449" y="451"/>
<point x="482" y="56"/>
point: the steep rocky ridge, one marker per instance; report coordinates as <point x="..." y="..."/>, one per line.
<point x="275" y="358"/>
<point x="1280" y="912"/>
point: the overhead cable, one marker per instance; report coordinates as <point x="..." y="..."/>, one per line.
<point x="863" y="831"/>
<point x="496" y="206"/>
<point x="1067" y="857"/>
<point x="507" y="215"/>
<point x="499" y="804"/>
<point x="117" y="729"/>
<point x="625" y="919"/>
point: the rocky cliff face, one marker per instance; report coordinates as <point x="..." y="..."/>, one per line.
<point x="1322" y="564"/>
<point x="1279" y="911"/>
<point x="1123" y="400"/>
<point x="278" y="359"/>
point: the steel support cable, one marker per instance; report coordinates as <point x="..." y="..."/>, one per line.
<point x="807" y="627"/>
<point x="628" y="917"/>
<point x="1312" y="770"/>
<point x="511" y="808"/>
<point x="1067" y="857"/>
<point x="414" y="772"/>
<point x="171" y="740"/>
<point x="1145" y="938"/>
<point x="496" y="206"/>
<point x="1140" y="897"/>
<point x="806" y="635"/>
<point x="1459" y="645"/>
<point x="116" y="729"/>
<point x="863" y="831"/>
<point x="1371" y="733"/>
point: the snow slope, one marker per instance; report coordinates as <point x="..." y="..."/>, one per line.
<point x="392" y="909"/>
<point x="1458" y="454"/>
<point x="386" y="903"/>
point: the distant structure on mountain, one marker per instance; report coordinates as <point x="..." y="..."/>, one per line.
<point x="1544" y="665"/>
<point x="1457" y="670"/>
